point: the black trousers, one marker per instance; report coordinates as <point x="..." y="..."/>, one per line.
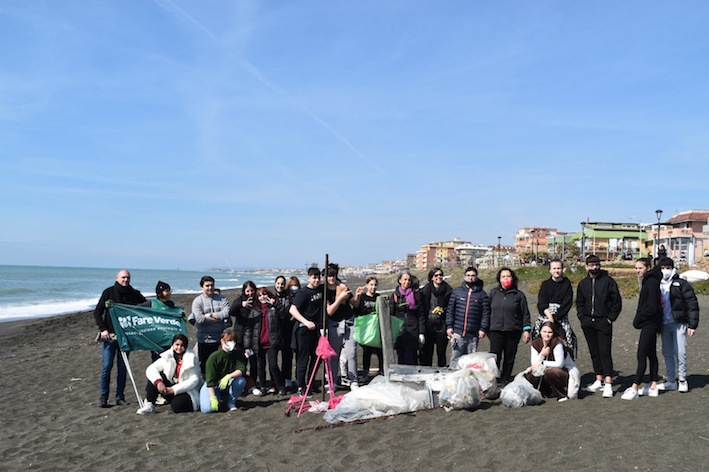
<point x="306" y="342"/>
<point x="504" y="345"/>
<point x="269" y="356"/>
<point x="599" y="334"/>
<point x="180" y="403"/>
<point x="437" y="340"/>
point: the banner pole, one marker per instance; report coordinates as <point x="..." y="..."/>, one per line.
<point x="132" y="380"/>
<point x="325" y="330"/>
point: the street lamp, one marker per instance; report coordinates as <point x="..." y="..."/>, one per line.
<point x="583" y="241"/>
<point x="658" y="213"/>
<point x="499" y="250"/>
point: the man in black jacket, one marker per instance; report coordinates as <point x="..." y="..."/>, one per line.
<point x="680" y="319"/>
<point x="598" y="305"/>
<point x="119" y="292"/>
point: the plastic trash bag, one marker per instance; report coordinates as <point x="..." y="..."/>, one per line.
<point x="380" y="398"/>
<point x="461" y="390"/>
<point x="484" y="366"/>
<point x="519" y="393"/>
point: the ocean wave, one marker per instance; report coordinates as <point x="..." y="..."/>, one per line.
<point x="43" y="310"/>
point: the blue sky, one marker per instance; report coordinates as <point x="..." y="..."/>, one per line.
<point x="197" y="134"/>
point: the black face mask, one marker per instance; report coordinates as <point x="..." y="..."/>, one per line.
<point x="594" y="272"/>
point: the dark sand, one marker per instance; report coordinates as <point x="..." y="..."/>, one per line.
<point x="50" y="378"/>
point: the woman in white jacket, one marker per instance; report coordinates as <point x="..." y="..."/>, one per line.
<point x="175" y="376"/>
<point x="552" y="369"/>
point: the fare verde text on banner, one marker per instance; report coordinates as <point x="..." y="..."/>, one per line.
<point x="145" y="329"/>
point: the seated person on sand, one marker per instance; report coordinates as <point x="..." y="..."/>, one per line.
<point x="224" y="376"/>
<point x="175" y="376"/>
<point x="560" y="378"/>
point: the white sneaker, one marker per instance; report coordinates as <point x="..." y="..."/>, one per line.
<point x="148" y="408"/>
<point x="608" y="390"/>
<point x="256" y="391"/>
<point x="563" y="399"/>
<point x="667" y="386"/>
<point x="594" y="387"/>
<point x="683" y="386"/>
<point x="653" y="392"/>
<point x="629" y="394"/>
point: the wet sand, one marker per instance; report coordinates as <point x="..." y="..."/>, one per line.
<point x="50" y="379"/>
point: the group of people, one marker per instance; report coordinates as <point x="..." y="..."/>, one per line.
<point x="241" y="340"/>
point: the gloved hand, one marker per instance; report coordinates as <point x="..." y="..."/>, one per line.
<point x="422" y="339"/>
<point x="224" y="382"/>
<point x="214" y="403"/>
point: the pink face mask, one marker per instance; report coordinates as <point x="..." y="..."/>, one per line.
<point x="507" y="283"/>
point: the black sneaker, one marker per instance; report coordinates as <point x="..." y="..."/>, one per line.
<point x="121" y="401"/>
<point x="103" y="401"/>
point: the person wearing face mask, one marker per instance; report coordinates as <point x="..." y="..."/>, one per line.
<point x="509" y="321"/>
<point x="224" y="378"/>
<point x="467" y="316"/>
<point x="175" y="376"/>
<point x="598" y="304"/>
<point x="554" y="302"/>
<point x="680" y="319"/>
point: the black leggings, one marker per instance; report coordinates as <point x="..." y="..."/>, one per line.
<point x="180" y="403"/>
<point x="647" y="349"/>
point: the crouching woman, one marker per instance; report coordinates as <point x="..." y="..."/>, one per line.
<point x="560" y="378"/>
<point x="175" y="376"/>
<point x="224" y="376"/>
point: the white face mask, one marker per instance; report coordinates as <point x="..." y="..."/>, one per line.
<point x="666" y="273"/>
<point x="294" y="288"/>
<point x="230" y="345"/>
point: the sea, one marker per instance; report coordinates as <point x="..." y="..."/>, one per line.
<point x="28" y="292"/>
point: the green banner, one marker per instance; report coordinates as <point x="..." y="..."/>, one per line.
<point x="141" y="328"/>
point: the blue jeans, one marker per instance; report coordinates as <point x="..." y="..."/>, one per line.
<point x="461" y="346"/>
<point x="233" y="390"/>
<point x="110" y="350"/>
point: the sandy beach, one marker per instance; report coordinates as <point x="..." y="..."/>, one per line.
<point x="50" y="378"/>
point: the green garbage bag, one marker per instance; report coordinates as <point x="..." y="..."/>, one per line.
<point x="368" y="333"/>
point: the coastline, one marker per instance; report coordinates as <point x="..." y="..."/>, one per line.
<point x="50" y="386"/>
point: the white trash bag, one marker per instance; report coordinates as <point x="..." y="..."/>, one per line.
<point x="484" y="366"/>
<point x="461" y="390"/>
<point x="380" y="398"/>
<point x="520" y="392"/>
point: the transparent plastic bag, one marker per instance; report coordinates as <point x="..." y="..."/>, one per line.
<point x="519" y="393"/>
<point x="461" y="390"/>
<point x="484" y="367"/>
<point x="380" y="398"/>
